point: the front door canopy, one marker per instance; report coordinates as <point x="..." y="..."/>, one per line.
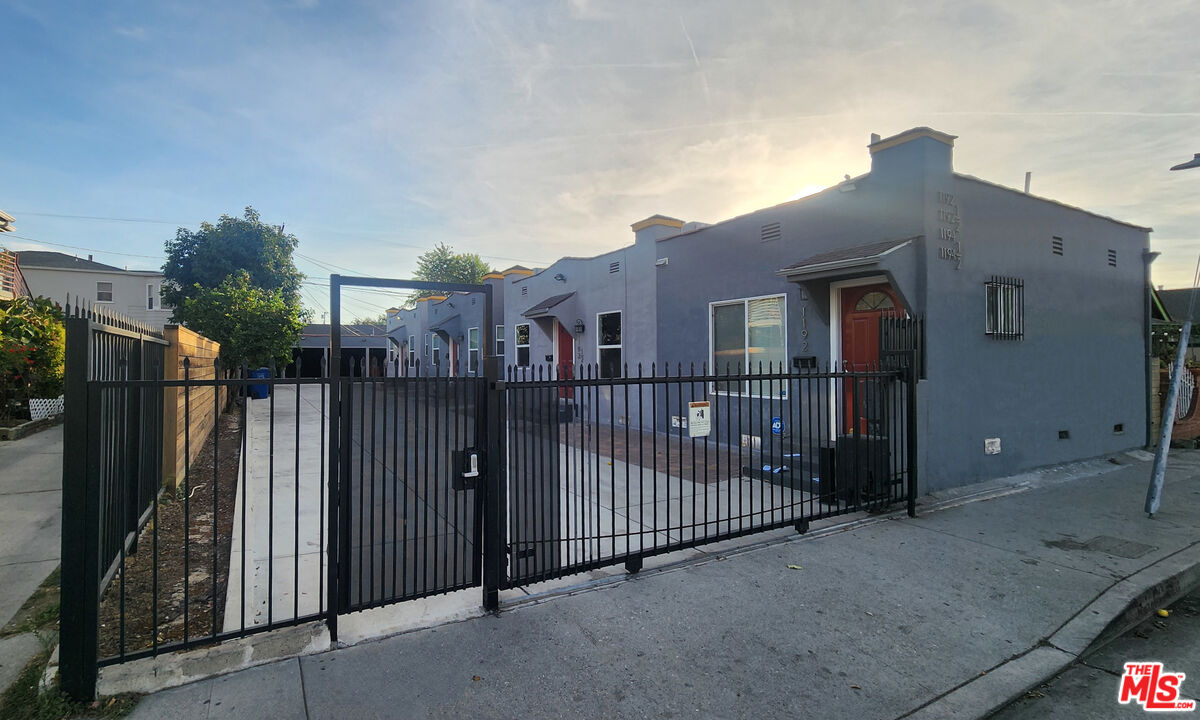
<point x="857" y="257"/>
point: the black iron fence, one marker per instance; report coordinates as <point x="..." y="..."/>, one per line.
<point x="319" y="496"/>
<point x="112" y="462"/>
<point x="603" y="471"/>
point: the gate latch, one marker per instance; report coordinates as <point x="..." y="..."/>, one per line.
<point x="468" y="465"/>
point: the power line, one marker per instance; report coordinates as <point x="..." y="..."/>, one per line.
<point x="155" y="221"/>
<point x="78" y="247"/>
<point x="99" y="217"/>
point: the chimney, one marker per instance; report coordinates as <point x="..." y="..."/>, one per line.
<point x="917" y="151"/>
<point x="1028" y="177"/>
<point x="656" y="227"/>
<point x="89" y="257"/>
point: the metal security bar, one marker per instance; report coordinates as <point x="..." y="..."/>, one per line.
<point x="1005" y="308"/>
<point x="603" y="471"/>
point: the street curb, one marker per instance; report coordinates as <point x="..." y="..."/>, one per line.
<point x="1112" y="613"/>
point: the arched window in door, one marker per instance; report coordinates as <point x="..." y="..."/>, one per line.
<point x="874" y="300"/>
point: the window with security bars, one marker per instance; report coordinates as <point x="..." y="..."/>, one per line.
<point x="1005" y="299"/>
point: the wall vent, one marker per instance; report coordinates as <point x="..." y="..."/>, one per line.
<point x="1112" y="258"/>
<point x="1056" y="245"/>
<point x="614" y="267"/>
<point x="1118" y="429"/>
<point x="1064" y="434"/>
<point x="525" y="291"/>
<point x="771" y="231"/>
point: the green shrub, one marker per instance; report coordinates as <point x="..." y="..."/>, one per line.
<point x="32" y="343"/>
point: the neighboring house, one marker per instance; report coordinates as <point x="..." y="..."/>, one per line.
<point x="11" y="282"/>
<point x="1036" y="312"/>
<point x="134" y="293"/>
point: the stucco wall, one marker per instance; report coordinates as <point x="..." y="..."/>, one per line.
<point x="1080" y="367"/>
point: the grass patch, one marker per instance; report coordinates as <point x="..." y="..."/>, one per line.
<point x="22" y="701"/>
<point x="39" y="613"/>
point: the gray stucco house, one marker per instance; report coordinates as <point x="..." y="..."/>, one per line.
<point x="1036" y="312"/>
<point x="444" y="335"/>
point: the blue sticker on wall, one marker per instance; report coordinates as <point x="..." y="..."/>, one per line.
<point x="776" y="426"/>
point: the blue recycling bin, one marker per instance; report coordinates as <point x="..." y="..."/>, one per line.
<point x="260" y="391"/>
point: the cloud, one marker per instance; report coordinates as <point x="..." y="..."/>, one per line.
<point x="135" y="33"/>
<point x="533" y="130"/>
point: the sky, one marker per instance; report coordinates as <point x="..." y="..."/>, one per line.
<point x="526" y="131"/>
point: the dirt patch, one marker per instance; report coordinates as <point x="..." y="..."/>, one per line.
<point x="39" y="613"/>
<point x="145" y="602"/>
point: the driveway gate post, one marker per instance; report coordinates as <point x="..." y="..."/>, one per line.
<point x="914" y="374"/>
<point x="494" y="535"/>
<point x="80" y="601"/>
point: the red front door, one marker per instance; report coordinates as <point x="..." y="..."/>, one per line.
<point x="861" y="309"/>
<point x="565" y="359"/>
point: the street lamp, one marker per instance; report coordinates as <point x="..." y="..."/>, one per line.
<point x="1193" y="163"/>
<point x="1154" y="492"/>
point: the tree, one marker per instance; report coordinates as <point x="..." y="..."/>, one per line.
<point x="233" y="245"/>
<point x="254" y="325"/>
<point x="442" y="264"/>
<point x="380" y="319"/>
<point x="236" y="283"/>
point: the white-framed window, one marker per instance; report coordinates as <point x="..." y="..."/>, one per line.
<point x="412" y="349"/>
<point x="426" y="353"/>
<point x="608" y="344"/>
<point x="500" y="340"/>
<point x="104" y="292"/>
<point x="437" y="349"/>
<point x="748" y="336"/>
<point x="150" y="297"/>
<point x="523" y="345"/>
<point x="473" y="350"/>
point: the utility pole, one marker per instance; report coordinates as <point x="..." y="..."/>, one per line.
<point x="1154" y="491"/>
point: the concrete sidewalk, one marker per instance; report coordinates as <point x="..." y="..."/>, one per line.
<point x="990" y="591"/>
<point x="30" y="532"/>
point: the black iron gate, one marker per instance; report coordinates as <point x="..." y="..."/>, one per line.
<point x="410" y="515"/>
<point x="408" y="464"/>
